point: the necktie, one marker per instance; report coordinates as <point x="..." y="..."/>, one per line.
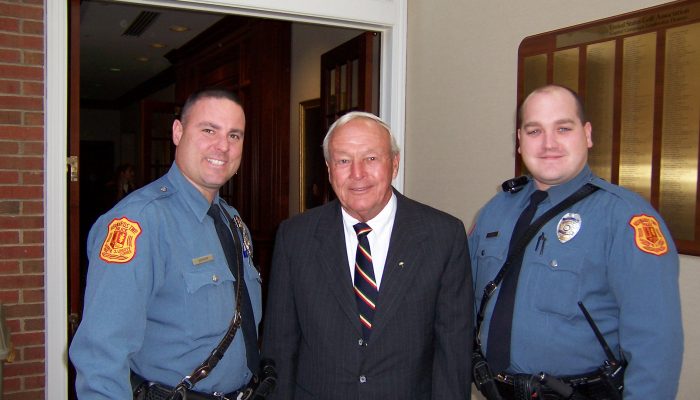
<point x="231" y="244"/>
<point x="502" y="318"/>
<point x="366" y="291"/>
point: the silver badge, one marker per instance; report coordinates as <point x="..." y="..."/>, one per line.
<point x="568" y="227"/>
<point x="247" y="243"/>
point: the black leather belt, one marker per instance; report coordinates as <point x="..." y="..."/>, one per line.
<point x="591" y="386"/>
<point x="146" y="390"/>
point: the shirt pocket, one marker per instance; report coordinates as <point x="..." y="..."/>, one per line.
<point x="557" y="285"/>
<point x="490" y="256"/>
<point x="209" y="301"/>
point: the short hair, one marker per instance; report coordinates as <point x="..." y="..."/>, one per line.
<point x="205" y="93"/>
<point x="580" y="111"/>
<point x="357" y="115"/>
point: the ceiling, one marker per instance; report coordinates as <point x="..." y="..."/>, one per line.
<point x="117" y="52"/>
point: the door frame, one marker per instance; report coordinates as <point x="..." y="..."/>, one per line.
<point x="388" y="17"/>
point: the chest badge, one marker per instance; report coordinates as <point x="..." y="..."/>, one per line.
<point x="247" y="242"/>
<point x="119" y="245"/>
<point x="568" y="227"/>
<point x="648" y="235"/>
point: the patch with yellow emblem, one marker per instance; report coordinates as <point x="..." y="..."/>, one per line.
<point x="120" y="244"/>
<point x="648" y="235"/>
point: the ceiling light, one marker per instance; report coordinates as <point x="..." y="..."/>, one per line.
<point x="179" y="28"/>
<point x="158" y="45"/>
<point x="142" y="59"/>
<point x="115" y="69"/>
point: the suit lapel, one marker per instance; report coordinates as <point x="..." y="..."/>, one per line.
<point x="406" y="249"/>
<point x="332" y="256"/>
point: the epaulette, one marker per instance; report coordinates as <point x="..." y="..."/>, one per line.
<point x="515" y="185"/>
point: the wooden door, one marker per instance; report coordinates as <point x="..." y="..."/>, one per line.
<point x="157" y="149"/>
<point x="349" y="82"/>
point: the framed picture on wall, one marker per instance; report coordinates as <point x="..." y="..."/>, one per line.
<point x="313" y="173"/>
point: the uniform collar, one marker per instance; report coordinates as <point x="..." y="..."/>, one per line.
<point x="558" y="193"/>
<point x="192" y="197"/>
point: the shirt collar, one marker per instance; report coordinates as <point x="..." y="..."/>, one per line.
<point x="192" y="197"/>
<point x="378" y="223"/>
<point x="558" y="193"/>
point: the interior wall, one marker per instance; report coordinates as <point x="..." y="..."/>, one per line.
<point x="309" y="42"/>
<point x="460" y="112"/>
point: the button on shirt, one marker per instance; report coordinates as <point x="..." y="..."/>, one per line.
<point x="379" y="238"/>
<point x="163" y="312"/>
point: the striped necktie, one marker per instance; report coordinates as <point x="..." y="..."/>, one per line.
<point x="366" y="291"/>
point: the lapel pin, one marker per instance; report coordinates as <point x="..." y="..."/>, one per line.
<point x="400" y="264"/>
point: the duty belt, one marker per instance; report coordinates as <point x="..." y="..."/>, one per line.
<point x="146" y="390"/>
<point x="595" y="386"/>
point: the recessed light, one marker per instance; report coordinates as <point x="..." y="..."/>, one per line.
<point x="115" y="69"/>
<point x="179" y="28"/>
<point x="158" y="45"/>
<point x="142" y="59"/>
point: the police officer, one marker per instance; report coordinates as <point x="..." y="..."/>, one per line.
<point x="611" y="251"/>
<point x="160" y="294"/>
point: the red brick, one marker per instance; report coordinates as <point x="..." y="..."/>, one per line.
<point x="24" y="310"/>
<point x="8" y="177"/>
<point x="13" y="325"/>
<point x="11" y="384"/>
<point x="22" y="192"/>
<point x="24" y="339"/>
<point x="9" y="267"/>
<point x="33" y="58"/>
<point x="9" y="86"/>
<point x="12" y="252"/>
<point x="33" y="27"/>
<point x="9" y="237"/>
<point x="24" y="395"/>
<point x="9" y="208"/>
<point x="21" y="72"/>
<point x="25" y="12"/>
<point x="9" y="296"/>
<point x="33" y="353"/>
<point x="32" y="207"/>
<point x="23" y="368"/>
<point x="33" y="266"/>
<point x="32" y="119"/>
<point x="9" y="147"/>
<point x="21" y="163"/>
<point x="21" y="132"/>
<point x="33" y="296"/>
<point x="33" y="88"/>
<point x="10" y="117"/>
<point x="33" y="178"/>
<point x="32" y="236"/>
<point x="10" y="56"/>
<point x="34" y="382"/>
<point x="22" y="42"/>
<point x="9" y="24"/>
<point x="24" y="222"/>
<point x="32" y="148"/>
<point x="21" y="103"/>
<point x="33" y="324"/>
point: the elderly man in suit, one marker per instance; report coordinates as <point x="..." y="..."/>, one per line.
<point x="370" y="295"/>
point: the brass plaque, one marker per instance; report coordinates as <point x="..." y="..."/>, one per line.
<point x="680" y="131"/>
<point x="637" y="113"/>
<point x="600" y="79"/>
<point x="681" y="14"/>
<point x="566" y="68"/>
<point x="535" y="72"/>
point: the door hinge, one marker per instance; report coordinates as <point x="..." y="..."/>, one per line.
<point x="72" y="167"/>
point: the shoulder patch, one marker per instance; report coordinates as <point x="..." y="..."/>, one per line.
<point x="648" y="235"/>
<point x="120" y="243"/>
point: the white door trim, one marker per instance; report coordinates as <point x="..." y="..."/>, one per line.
<point x="385" y="16"/>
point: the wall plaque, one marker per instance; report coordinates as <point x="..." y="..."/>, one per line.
<point x="639" y="77"/>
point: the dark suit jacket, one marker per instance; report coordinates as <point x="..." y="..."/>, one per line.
<point x="421" y="340"/>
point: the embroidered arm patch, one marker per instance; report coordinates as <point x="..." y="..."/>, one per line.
<point x="648" y="235"/>
<point x="120" y="243"/>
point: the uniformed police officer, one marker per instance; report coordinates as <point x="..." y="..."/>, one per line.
<point x="160" y="294"/>
<point x="611" y="251"/>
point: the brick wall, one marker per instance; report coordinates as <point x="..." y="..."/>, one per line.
<point x="21" y="193"/>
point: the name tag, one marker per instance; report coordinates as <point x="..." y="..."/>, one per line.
<point x="202" y="259"/>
